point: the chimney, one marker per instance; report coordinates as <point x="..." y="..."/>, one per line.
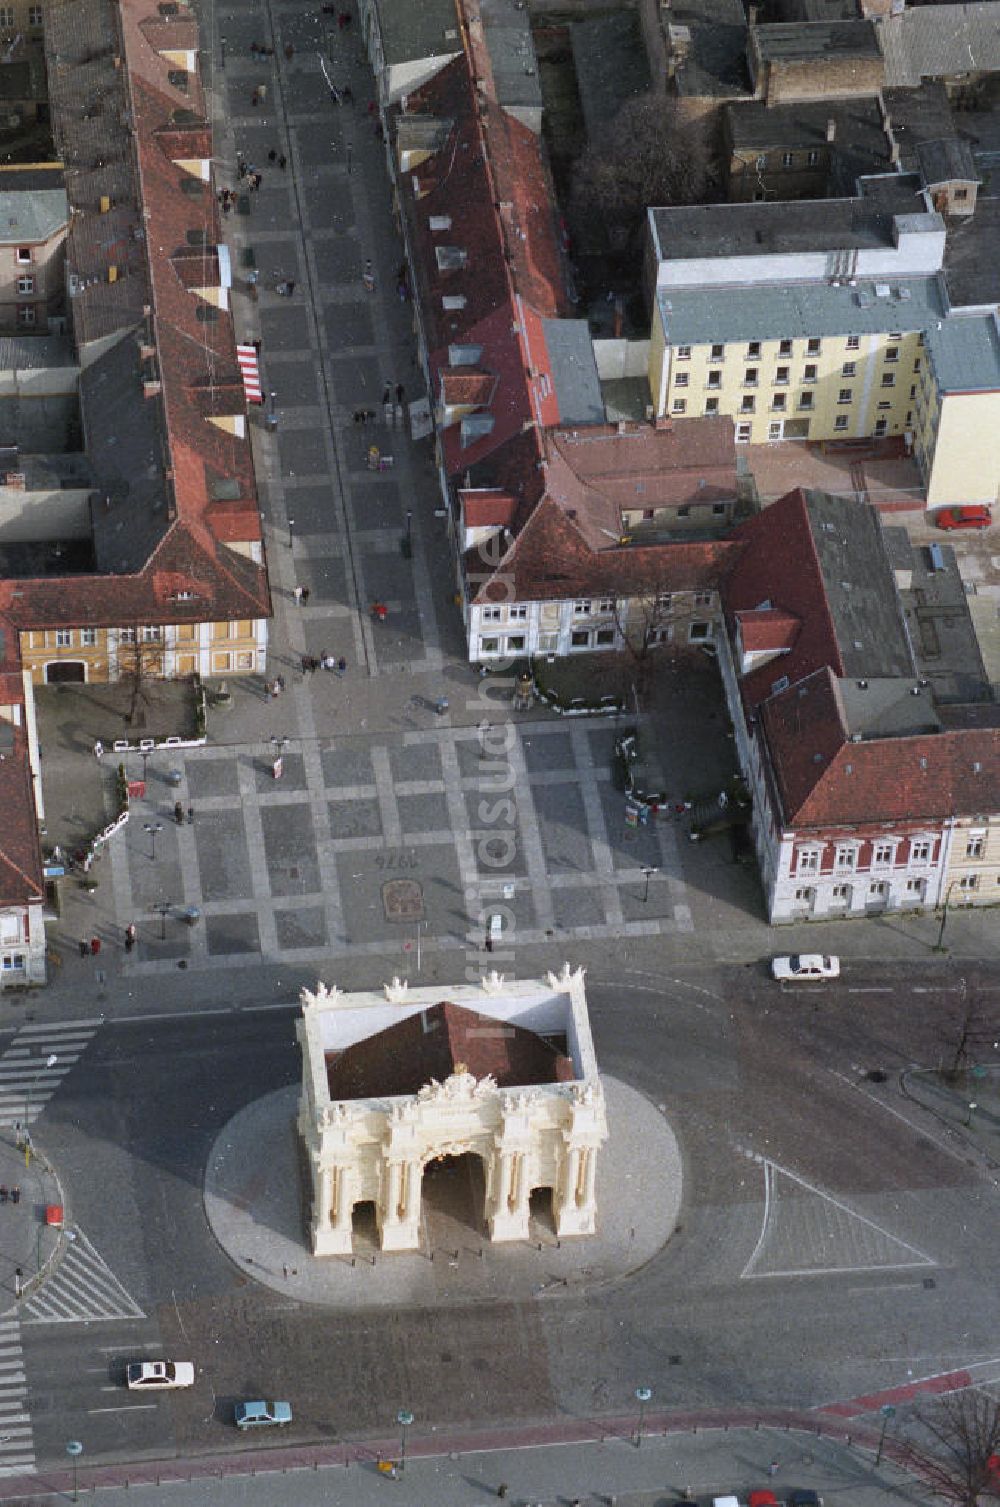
<point x="831" y="129"/>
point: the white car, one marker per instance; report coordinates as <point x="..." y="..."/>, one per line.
<point x="159" y="1375"/>
<point x="806" y="965"/>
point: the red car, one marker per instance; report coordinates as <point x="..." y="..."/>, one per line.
<point x="763" y="1499"/>
<point x="972" y="516"/>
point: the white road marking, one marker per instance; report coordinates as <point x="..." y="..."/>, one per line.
<point x="126" y="1407"/>
<point x="951" y="1151"/>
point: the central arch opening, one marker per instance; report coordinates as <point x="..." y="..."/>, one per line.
<point x="454" y="1195"/>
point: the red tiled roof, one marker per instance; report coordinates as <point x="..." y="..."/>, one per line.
<point x="488" y="508"/>
<point x="510" y="406"/>
<point x="779" y="564"/>
<point x="551" y="560"/>
<point x="433" y="1044"/>
<point x="467" y="388"/>
<point x="825" y="780"/>
<point x="769" y="629"/>
<point x="21" y="877"/>
<point x="640" y="465"/>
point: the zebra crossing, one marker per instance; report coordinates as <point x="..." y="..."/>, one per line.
<point x="17" y="1446"/>
<point x="81" y="1289"/>
<point x="35" y="1063"/>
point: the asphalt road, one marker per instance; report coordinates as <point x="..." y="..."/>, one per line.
<point x="832" y="1241"/>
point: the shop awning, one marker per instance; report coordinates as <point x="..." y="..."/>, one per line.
<point x="246" y="355"/>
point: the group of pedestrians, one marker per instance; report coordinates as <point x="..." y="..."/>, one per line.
<point x="326" y="661"/>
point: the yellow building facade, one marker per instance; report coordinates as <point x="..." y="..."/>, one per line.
<point x="972" y="863"/>
<point x="84" y="655"/>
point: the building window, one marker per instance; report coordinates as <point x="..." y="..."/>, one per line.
<point x="960" y="195"/>
<point x="778" y="401"/>
<point x="784" y="347"/>
<point x="888" y="379"/>
<point x="23" y="256"/>
<point x="878" y="889"/>
<point x="715" y="379"/>
<point x="126" y="635"/>
<point x="664" y="600"/>
<point x="88" y="637"/>
<point x="718" y="352"/>
<point x="805" y="896"/>
<point x="787" y="159"/>
<point x="809" y="375"/>
<point x="607" y="604"/>
<point x="781" y="375"/>
<point x="813" y="157"/>
<point x="840" y="422"/>
<point x="885" y="406"/>
<point x="684" y="353"/>
<point x="515" y="643"/>
<point x="881" y="428"/>
<point x="489" y="646"/>
<point x="747" y="404"/>
<point x="13" y="962"/>
<point x="854" y="342"/>
<point x="34" y="15"/>
<point x="849" y="369"/>
<point x="976" y="845"/>
<point x="711" y="406"/>
<point x="753" y="350"/>
<point x="807" y="860"/>
<point x="703" y="599"/>
<point x="6" y="15"/>
<point x="699" y="632"/>
<point x="26" y="284"/>
<point x="518" y="614"/>
<point x="648" y="514"/>
<point x="841" y="892"/>
<point x="682" y="379"/>
<point x="968" y="883"/>
<point x="915" y="887"/>
<point x="64" y="638"/>
<point x="25" y="314"/>
<point x="679" y="405"/>
<point x="743" y="432"/>
<point x="882" y="855"/>
<point x="151" y="635"/>
<point x="579" y="639"/>
<point x="920" y="851"/>
<point x="491" y="614"/>
<point x="916" y="364"/>
<point x="892" y="353"/>
<point x="581" y="609"/>
<point x="750" y="376"/>
<point x="846" y="395"/>
<point x="846" y="860"/>
<point x="805" y="400"/>
<point x="812" y="347"/>
<point x="604" y="636"/>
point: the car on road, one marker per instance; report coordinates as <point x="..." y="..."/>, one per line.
<point x="972" y="515"/>
<point x="762" y="1498"/>
<point x="806" y="965"/>
<point x="159" y="1375"/>
<point x="805" y="1497"/>
<point x="260" y="1414"/>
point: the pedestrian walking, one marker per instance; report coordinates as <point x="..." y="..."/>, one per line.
<point x="278" y="767"/>
<point x="262" y="88"/>
<point x="347" y="94"/>
<point x="190" y="816"/>
<point x="772" y="1468"/>
<point x="130" y="936"/>
<point x="334" y="94"/>
<point x="341" y="665"/>
<point x="327" y="660"/>
<point x="15" y="1194"/>
<point x="84" y="947"/>
<point x="387" y="393"/>
<point x="400" y="394"/>
<point x="305" y="596"/>
<point x="368" y="276"/>
<point x="98" y="750"/>
<point x="279" y="684"/>
<point x="297" y="594"/>
<point x="282" y="162"/>
<point x="289" y="52"/>
<point x="95" y="946"/>
<point x="272" y="155"/>
<point x="255" y="98"/>
<point x="307" y="664"/>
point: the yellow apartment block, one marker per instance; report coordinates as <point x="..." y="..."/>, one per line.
<point x="60" y="655"/>
<point x="972" y="863"/>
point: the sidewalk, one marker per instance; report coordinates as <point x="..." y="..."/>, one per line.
<point x="28" y="1246"/>
<point x="968" y="1108"/>
<point x="551" y="1469"/>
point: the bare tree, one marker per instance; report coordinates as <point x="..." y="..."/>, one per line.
<point x="960" y="1462"/>
<point x="973" y="1030"/>
<point x="139" y="660"/>
<point x="652" y="153"/>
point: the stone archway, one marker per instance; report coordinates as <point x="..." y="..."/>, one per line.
<point x="453" y="1194"/>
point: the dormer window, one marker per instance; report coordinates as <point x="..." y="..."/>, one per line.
<point x="451" y="258"/>
<point x="464" y="355"/>
<point x="438" y="223"/>
<point x="453" y="301"/>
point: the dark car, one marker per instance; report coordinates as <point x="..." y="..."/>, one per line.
<point x="805" y="1497"/>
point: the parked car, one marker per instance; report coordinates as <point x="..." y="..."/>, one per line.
<point x="260" y="1414"/>
<point x="806" y="965"/>
<point x="762" y="1498"/>
<point x="159" y="1375"/>
<point x="973" y="515"/>
<point x="805" y="1497"/>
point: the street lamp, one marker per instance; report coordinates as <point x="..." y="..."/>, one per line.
<point x="75" y="1449"/>
<point x="291" y="525"/>
<point x="887" y="1411"/>
<point x="939" y="944"/>
<point x="404" y="1418"/>
<point x="163" y="907"/>
<point x="642" y="1396"/>
<point x="647" y="871"/>
<point x="152" y="828"/>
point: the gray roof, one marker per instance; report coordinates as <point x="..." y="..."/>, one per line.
<point x="971" y="264"/>
<point x="813" y="10"/>
<point x="860" y="145"/>
<point x="29" y="215"/>
<point x="417" y="29"/>
<point x="940" y="41"/>
<point x="965" y="353"/>
<point x="946" y="161"/>
<point x="801" y="225"/>
<point x="700" y="315"/>
<point x="886" y="708"/>
<point x="870" y="632"/>
<point x="715" y="65"/>
<point x="802" y="41"/>
<point x="512" y="54"/>
<point x="916" y="115"/>
<point x="35" y="352"/>
<point x="942" y="634"/>
<point x="611" y="66"/>
<point x="574" y="371"/>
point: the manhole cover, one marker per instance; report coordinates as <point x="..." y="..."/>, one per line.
<point x="403" y="900"/>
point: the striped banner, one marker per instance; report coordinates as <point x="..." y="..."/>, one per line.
<point x="246" y="355"/>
